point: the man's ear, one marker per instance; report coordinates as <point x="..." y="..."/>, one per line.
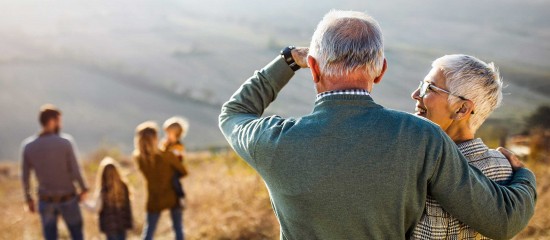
<point x="315" y="73"/>
<point x="466" y="109"/>
<point x="384" y="67"/>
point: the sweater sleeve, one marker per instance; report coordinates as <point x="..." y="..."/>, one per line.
<point x="495" y="211"/>
<point x="26" y="175"/>
<point x="74" y="167"/>
<point x="240" y="119"/>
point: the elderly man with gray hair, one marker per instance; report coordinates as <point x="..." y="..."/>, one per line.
<point x="458" y="94"/>
<point x="353" y="169"/>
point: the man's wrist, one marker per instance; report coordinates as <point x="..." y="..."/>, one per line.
<point x="286" y="54"/>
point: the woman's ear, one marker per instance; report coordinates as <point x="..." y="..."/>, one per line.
<point x="465" y="110"/>
<point x="315" y="73"/>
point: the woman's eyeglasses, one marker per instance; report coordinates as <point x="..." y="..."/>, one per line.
<point x="424" y="86"/>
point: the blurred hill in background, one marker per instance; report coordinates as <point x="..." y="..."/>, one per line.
<point x="111" y="65"/>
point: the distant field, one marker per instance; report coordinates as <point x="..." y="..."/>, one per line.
<point x="226" y="200"/>
<point x="102" y="104"/>
<point x="110" y="66"/>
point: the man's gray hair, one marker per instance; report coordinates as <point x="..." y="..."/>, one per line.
<point x="345" y="41"/>
<point x="472" y="79"/>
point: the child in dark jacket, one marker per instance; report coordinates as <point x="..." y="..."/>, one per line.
<point x="112" y="199"/>
<point x="175" y="129"/>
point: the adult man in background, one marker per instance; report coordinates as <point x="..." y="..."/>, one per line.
<point x="353" y="169"/>
<point x="51" y="156"/>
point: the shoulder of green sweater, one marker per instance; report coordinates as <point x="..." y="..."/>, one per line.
<point x="425" y="131"/>
<point x="414" y="120"/>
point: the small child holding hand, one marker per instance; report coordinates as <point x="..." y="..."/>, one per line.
<point x="112" y="201"/>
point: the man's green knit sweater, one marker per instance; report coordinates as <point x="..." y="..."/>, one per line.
<point x="353" y="169"/>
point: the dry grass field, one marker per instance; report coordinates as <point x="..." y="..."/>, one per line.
<point x="226" y="200"/>
<point x="539" y="227"/>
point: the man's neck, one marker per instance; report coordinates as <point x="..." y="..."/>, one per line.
<point x="352" y="81"/>
<point x="47" y="132"/>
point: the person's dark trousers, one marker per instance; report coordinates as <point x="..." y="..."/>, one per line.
<point x="69" y="211"/>
<point x="152" y="219"/>
<point x="116" y="236"/>
<point x="178" y="187"/>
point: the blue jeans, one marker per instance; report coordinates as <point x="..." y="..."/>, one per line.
<point x="69" y="211"/>
<point x="116" y="236"/>
<point x="152" y="219"/>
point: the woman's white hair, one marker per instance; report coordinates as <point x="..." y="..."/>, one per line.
<point x="472" y="79"/>
<point x="345" y="41"/>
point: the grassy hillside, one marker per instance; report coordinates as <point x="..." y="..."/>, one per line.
<point x="226" y="200"/>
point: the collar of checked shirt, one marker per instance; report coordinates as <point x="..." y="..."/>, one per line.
<point x="362" y="92"/>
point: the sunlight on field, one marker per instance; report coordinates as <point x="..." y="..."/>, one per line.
<point x="539" y="227"/>
<point x="226" y="200"/>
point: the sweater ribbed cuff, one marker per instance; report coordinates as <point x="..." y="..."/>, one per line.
<point x="278" y="72"/>
<point x="524" y="175"/>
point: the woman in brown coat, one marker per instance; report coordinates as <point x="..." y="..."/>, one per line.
<point x="158" y="169"/>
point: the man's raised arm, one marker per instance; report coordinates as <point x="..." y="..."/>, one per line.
<point x="495" y="211"/>
<point x="240" y="120"/>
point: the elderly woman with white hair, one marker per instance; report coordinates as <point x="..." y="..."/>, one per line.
<point x="458" y="94"/>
